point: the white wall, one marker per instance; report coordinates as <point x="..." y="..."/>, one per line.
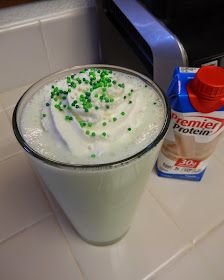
<point x="51" y="35"/>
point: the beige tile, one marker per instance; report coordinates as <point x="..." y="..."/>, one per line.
<point x="71" y="39"/>
<point x="8" y="147"/>
<point x="9" y="99"/>
<point x="9" y="113"/>
<point x="212" y="250"/>
<point x="8" y="143"/>
<point x="23" y="54"/>
<point x="196" y="207"/>
<point x="40" y="252"/>
<point x="220" y="149"/>
<point x="22" y="202"/>
<point x="152" y="241"/>
<point x="4" y="124"/>
<point x="188" y="267"/>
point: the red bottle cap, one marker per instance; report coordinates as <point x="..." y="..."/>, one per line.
<point x="206" y="90"/>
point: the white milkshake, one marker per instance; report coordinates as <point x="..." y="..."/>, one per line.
<point x="94" y="133"/>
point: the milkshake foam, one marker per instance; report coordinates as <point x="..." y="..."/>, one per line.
<point x="93" y="116"/>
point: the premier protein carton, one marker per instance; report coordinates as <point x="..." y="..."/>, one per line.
<point x="196" y="97"/>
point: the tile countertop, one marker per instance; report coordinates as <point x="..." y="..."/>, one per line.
<point x="178" y="230"/>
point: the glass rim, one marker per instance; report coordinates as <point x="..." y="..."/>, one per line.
<point x="121" y="162"/>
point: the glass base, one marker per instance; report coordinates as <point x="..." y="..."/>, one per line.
<point x="106" y="243"/>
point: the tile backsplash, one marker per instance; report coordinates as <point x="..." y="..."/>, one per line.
<point x="30" y="51"/>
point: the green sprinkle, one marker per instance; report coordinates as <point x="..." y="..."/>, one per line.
<point x="64" y="105"/>
<point x="73" y="84"/>
<point x="114" y="119"/>
<point x="69" y="107"/>
<point x="77" y="106"/>
<point x="125" y="96"/>
<point x="47" y="104"/>
<point x="87" y="132"/>
<point x="129" y="94"/>
<point x="90" y="124"/>
<point x="91" y="73"/>
<point x="68" y="118"/>
<point x="82" y="71"/>
<point x="96" y="95"/>
<point x="107" y="107"/>
<point x="154" y="103"/>
<point x="52" y="86"/>
<point x="107" y="100"/>
<point x="64" y="97"/>
<point x="79" y="80"/>
<point x="72" y="76"/>
<point x="130" y="102"/>
<point x="104" y="123"/>
<point x="93" y="155"/>
<point x="68" y="79"/>
<point x="104" y="134"/>
<point x="44" y="115"/>
<point x="132" y="90"/>
<point x="114" y="82"/>
<point x="121" y="85"/>
<point x="96" y="107"/>
<point x="146" y="86"/>
<point x="93" y="134"/>
<point x="86" y="110"/>
<point x="110" y="71"/>
<point x="122" y="113"/>
<point x="55" y="99"/>
<point x="74" y="102"/>
<point x="129" y="129"/>
<point x="57" y="106"/>
<point x="82" y="123"/>
<point x="111" y="100"/>
<point x="69" y="89"/>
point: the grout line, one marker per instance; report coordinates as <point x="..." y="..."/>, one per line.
<point x="69" y="246"/>
<point x="168" y="214"/>
<point x="195" y="241"/>
<point x="204" y="235"/>
<point x="10" y="156"/>
<point x="172" y="260"/>
<point x="198" y="238"/>
<point x="54" y="213"/>
<point x="44" y="217"/>
<point x="56" y="15"/>
<point x="45" y="46"/>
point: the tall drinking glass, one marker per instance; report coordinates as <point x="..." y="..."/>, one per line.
<point x="99" y="199"/>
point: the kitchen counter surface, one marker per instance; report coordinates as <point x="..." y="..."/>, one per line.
<point x="177" y="233"/>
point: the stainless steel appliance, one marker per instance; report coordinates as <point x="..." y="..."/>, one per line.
<point x="155" y="36"/>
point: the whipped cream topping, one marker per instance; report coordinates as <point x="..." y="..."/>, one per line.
<point x="93" y="116"/>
